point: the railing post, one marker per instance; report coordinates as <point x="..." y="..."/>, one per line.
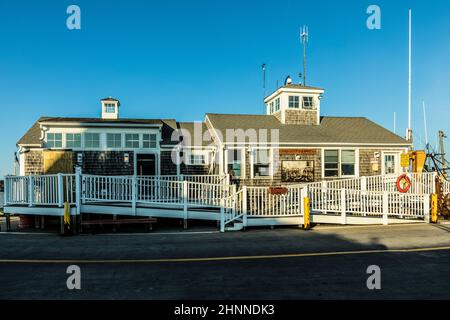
<point x="30" y="190"/>
<point x="78" y="191"/>
<point x="133" y="194"/>
<point x="385" y="208"/>
<point x="426" y="208"/>
<point x="60" y="191"/>
<point x="185" y="203"/>
<point x="244" y="206"/>
<point x="6" y="193"/>
<point x="222" y="215"/>
<point x="343" y="207"/>
<point x="363" y="183"/>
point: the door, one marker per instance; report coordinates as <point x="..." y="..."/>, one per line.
<point x="146" y="164"/>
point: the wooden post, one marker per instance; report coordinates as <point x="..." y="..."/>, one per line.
<point x="60" y="191"/>
<point x="363" y="183"/>
<point x="8" y="222"/>
<point x="385" y="208"/>
<point x="343" y="207"/>
<point x="185" y="204"/>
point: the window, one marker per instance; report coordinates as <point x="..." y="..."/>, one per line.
<point x="389" y="164"/>
<point x="110" y="108"/>
<point x="73" y="140"/>
<point x="92" y="140"/>
<point x="149" y="141"/>
<point x="132" y="140"/>
<point x="54" y="140"/>
<point x="197" y="157"/>
<point x="234" y="162"/>
<point x="271" y="108"/>
<point x="277" y="104"/>
<point x="261" y="163"/>
<point x="114" y="140"/>
<point x="308" y="103"/>
<point x="331" y="163"/>
<point x="347" y="162"/>
<point x="339" y="163"/>
<point x="294" y="102"/>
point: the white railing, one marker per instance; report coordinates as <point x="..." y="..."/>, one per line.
<point x="421" y="183"/>
<point x="368" y="203"/>
<point x="261" y="202"/>
<point x="138" y="189"/>
<point x="199" y="178"/>
<point x="445" y="186"/>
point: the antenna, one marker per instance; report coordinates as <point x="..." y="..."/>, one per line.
<point x="425" y="124"/>
<point x="395" y="122"/>
<point x="304" y="39"/>
<point x="409" y="133"/>
<point x="264" y="85"/>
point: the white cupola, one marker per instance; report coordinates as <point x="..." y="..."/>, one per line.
<point x="110" y="108"/>
<point x="295" y="103"/>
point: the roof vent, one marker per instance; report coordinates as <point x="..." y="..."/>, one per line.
<point x="288" y="80"/>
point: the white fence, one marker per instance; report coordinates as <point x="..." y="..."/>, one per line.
<point x="369" y="203"/>
<point x="261" y="202"/>
<point x="421" y="183"/>
<point x="445" y="186"/>
<point x="55" y="190"/>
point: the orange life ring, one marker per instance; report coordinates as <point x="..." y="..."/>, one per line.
<point x="403" y="183"/>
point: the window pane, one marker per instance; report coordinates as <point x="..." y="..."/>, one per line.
<point x="331" y="173"/>
<point x="132" y="140"/>
<point x="308" y="103"/>
<point x="262" y="156"/>
<point x="73" y="140"/>
<point x="234" y="162"/>
<point x="149" y="141"/>
<point x="348" y="169"/>
<point x="348" y="156"/>
<point x="114" y="140"/>
<point x="54" y="140"/>
<point x="92" y="140"/>
<point x="331" y="156"/>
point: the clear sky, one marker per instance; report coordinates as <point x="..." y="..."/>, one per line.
<point x="180" y="59"/>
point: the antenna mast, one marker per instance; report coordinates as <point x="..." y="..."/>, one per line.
<point x="264" y="85"/>
<point x="425" y="124"/>
<point x="409" y="132"/>
<point x="304" y="40"/>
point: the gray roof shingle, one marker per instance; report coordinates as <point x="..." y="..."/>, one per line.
<point x="345" y="130"/>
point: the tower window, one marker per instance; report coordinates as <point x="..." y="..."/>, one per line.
<point x="308" y="103"/>
<point x="294" y="102"/>
<point x="110" y="108"/>
<point x="277" y="104"/>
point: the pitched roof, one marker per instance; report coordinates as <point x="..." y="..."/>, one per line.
<point x="345" y="130"/>
<point x="32" y="136"/>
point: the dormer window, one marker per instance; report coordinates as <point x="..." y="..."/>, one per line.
<point x="308" y="103"/>
<point x="110" y="108"/>
<point x="294" y="102"/>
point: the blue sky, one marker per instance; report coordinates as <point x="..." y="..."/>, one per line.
<point x="180" y="59"/>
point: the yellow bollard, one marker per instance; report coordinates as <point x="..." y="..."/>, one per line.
<point x="434" y="208"/>
<point x="306" y="215"/>
<point x="66" y="215"/>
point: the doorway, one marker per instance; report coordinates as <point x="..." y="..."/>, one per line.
<point x="146" y="164"/>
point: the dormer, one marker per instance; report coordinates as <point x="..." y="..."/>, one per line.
<point x="295" y="103"/>
<point x="110" y="108"/>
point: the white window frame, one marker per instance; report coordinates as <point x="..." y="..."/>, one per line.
<point x="133" y="141"/>
<point x="356" y="150"/>
<point x="108" y="106"/>
<point x="396" y="155"/>
<point x="196" y="152"/>
<point x="313" y="106"/>
<point x="149" y="141"/>
<point x="242" y="151"/>
<point x="73" y="139"/>
<point x="115" y="134"/>
<point x="54" y="140"/>
<point x="99" y="140"/>
<point x="294" y="102"/>
<point x="252" y="163"/>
